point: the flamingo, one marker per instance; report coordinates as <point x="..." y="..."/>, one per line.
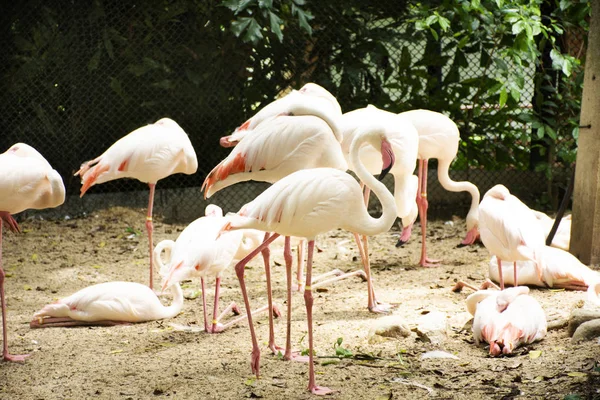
<point x="149" y="153"/>
<point x="108" y="303"/>
<point x="506" y="319"/>
<point x="281" y="106"/>
<point x="197" y="252"/>
<point x="562" y="237"/>
<point x="438" y="138"/>
<point x="313" y="201"/>
<point x="509" y="230"/>
<point x="26" y="181"/>
<point x="561" y="270"/>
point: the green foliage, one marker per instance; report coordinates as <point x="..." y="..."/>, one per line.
<point x="340" y="351"/>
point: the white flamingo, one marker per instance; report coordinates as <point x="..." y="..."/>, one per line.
<point x="198" y="252"/>
<point x="149" y="153"/>
<point x="438" y="138"/>
<point x="26" y="181"/>
<point x="506" y="319"/>
<point x="108" y="303"/>
<point x="509" y="230"/>
<point x="281" y="106"/>
<point x="309" y="202"/>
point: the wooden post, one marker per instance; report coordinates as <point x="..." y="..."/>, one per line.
<point x="585" y="232"/>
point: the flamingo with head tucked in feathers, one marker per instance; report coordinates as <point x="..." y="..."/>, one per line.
<point x="26" y="181"/>
<point x="510" y="231"/>
<point x="313" y="201"/>
<point x="438" y="138"/>
<point x="149" y="153"/>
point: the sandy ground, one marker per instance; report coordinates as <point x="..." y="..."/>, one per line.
<point x="53" y="259"/>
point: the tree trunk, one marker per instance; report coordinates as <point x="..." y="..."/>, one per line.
<point x="585" y="233"/>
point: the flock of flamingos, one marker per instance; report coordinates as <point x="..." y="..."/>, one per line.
<point x="303" y="145"/>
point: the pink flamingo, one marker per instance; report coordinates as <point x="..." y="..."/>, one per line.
<point x="26" y="181"/>
<point x="149" y="153"/>
<point x="109" y="303"/>
<point x="282" y="106"/>
<point x="313" y="201"/>
<point x="506" y="319"/>
<point x="198" y="252"/>
<point x="438" y="138"/>
<point x="509" y="230"/>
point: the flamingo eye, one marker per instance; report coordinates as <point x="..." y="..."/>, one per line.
<point x="197" y="267"/>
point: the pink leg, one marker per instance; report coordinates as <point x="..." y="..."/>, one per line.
<point x="515" y="266"/>
<point x="55" y="322"/>
<point x="308" y="300"/>
<point x="300" y="273"/>
<point x="206" y="328"/>
<point x="6" y="356"/>
<point x="222" y="327"/>
<point x="10" y="221"/>
<point x="423" y="204"/>
<point x="266" y="253"/>
<point x="150" y="228"/>
<point x="239" y="271"/>
<point x="215" y="320"/>
<point x="500" y="276"/>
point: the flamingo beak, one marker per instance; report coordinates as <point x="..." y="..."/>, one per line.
<point x="387" y="158"/>
<point x="167" y="280"/>
<point x="471" y="237"/>
<point x="226" y="141"/>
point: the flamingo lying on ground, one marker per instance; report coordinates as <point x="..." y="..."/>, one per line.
<point x="198" y="252"/>
<point x="309" y="202"/>
<point x="149" y="153"/>
<point x="438" y="138"/>
<point x="509" y="230"/>
<point x="282" y="106"/>
<point x="506" y="319"/>
<point x="26" y="181"/>
<point x="561" y="270"/>
<point x="562" y="237"/>
<point x="109" y="303"/>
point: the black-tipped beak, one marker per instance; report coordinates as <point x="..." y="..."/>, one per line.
<point x="400" y="243"/>
<point x="387" y="158"/>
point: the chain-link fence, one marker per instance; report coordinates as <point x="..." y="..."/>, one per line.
<point x="78" y="75"/>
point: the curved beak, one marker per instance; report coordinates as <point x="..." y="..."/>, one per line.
<point x="167" y="280"/>
<point x="471" y="237"/>
<point x="227" y="141"/>
<point x="387" y="158"/>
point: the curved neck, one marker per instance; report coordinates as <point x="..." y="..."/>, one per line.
<point x="453" y="186"/>
<point x="321" y="109"/>
<point x="372" y="226"/>
<point x="176" y="304"/>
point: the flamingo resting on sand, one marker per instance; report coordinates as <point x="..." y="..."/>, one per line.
<point x="510" y="231"/>
<point x="561" y="270"/>
<point x="562" y="237"/>
<point x="198" y="252"/>
<point x="149" y="153"/>
<point x="109" y="303"/>
<point x="506" y="319"/>
<point x="313" y="201"/>
<point x="282" y="106"/>
<point x="26" y="181"/>
<point x="438" y="138"/>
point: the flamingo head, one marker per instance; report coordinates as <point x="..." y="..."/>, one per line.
<point x="499" y="192"/>
<point x="213" y="210"/>
<point x="472" y="227"/>
<point x="387" y="158"/>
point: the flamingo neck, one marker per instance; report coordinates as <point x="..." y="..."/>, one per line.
<point x="367" y="225"/>
<point x="177" y="303"/>
<point x="312" y="106"/>
<point x="462" y="186"/>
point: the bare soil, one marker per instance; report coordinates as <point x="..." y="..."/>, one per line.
<point x="53" y="259"/>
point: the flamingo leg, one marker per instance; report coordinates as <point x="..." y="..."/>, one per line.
<point x="266" y="253"/>
<point x="423" y="205"/>
<point x="308" y="301"/>
<point x="515" y="266"/>
<point x="150" y="229"/>
<point x="55" y="322"/>
<point x="6" y="356"/>
<point x="206" y="329"/>
<point x="215" y="320"/>
<point x="300" y="273"/>
<point x="239" y="271"/>
<point x="222" y="327"/>
<point x="500" y="276"/>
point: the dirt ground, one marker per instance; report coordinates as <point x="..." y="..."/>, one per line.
<point x="53" y="259"/>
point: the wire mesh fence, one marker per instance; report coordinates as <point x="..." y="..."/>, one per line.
<point x="78" y="75"/>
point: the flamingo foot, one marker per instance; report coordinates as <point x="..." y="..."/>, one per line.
<point x="320" y="390"/>
<point x="382" y="308"/>
<point x="15" y="357"/>
<point x="255" y="362"/>
<point x="429" y="262"/>
<point x="295" y="355"/>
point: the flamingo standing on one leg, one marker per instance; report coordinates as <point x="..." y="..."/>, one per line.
<point x="198" y="252"/>
<point x="26" y="181"/>
<point x="438" y="138"/>
<point x="149" y="153"/>
<point x="109" y="303"/>
<point x="282" y="106"/>
<point x="309" y="202"/>
<point x="509" y="230"/>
